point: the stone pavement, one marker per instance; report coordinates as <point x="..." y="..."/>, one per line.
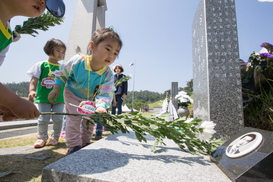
<point x="17" y="128"/>
<point x="17" y="124"/>
<point x="24" y="150"/>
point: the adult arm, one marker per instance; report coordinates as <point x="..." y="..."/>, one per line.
<point x="124" y="89"/>
<point x="3" y="55"/>
<point x="19" y="107"/>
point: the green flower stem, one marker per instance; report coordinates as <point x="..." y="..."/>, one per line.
<point x="158" y="127"/>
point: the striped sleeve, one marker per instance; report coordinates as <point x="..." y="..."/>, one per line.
<point x="66" y="69"/>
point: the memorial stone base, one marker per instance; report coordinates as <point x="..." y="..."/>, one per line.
<point x="257" y="165"/>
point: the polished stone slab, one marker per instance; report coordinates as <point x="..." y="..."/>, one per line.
<point x="255" y="166"/>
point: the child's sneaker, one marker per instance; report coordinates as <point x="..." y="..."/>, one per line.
<point x="75" y="149"/>
<point x="40" y="143"/>
<point x="86" y="145"/>
<point x="53" y="141"/>
<point x="63" y="134"/>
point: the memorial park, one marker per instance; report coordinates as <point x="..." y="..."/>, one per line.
<point x="220" y="130"/>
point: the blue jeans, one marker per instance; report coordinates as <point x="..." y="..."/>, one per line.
<point x="99" y="127"/>
<point x="119" y="105"/>
<point x="43" y="120"/>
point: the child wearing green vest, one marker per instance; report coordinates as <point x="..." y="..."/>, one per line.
<point x="11" y="105"/>
<point x="41" y="84"/>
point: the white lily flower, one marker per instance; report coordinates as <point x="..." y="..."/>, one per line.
<point x="182" y="99"/>
<point x="208" y="130"/>
<point x="182" y="96"/>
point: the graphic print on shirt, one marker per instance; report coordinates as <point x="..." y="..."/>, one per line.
<point x="49" y="82"/>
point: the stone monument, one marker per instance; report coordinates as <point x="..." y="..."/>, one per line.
<point x="174" y="92"/>
<point x="248" y="153"/>
<point x="216" y="67"/>
<point x="89" y="16"/>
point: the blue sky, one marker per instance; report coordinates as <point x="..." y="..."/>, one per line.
<point x="157" y="34"/>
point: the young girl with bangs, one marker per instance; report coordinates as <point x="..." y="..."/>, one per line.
<point x="89" y="80"/>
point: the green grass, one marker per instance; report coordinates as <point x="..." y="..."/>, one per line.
<point x="30" y="170"/>
<point x="156" y="104"/>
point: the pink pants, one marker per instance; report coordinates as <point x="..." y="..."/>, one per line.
<point x="73" y="134"/>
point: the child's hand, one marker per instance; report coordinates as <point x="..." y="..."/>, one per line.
<point x="54" y="93"/>
<point x="101" y="109"/>
<point x="24" y="109"/>
<point x="31" y="96"/>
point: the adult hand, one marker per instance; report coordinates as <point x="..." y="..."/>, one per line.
<point x="124" y="96"/>
<point x="114" y="103"/>
<point x="24" y="109"/>
<point x="7" y="114"/>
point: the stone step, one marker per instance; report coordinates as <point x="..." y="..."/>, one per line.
<point x="121" y="157"/>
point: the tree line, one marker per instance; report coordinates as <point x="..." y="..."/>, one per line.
<point x="20" y="89"/>
<point x="140" y="98"/>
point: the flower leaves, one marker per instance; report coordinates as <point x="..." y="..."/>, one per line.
<point x="123" y="79"/>
<point x="184" y="134"/>
<point x="42" y="22"/>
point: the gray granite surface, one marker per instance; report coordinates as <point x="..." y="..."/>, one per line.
<point x="216" y="68"/>
<point x="123" y="158"/>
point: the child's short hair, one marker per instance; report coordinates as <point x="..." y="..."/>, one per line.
<point x="102" y="34"/>
<point x="51" y="43"/>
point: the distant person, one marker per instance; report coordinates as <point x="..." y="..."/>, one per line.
<point x="11" y="105"/>
<point x="42" y="82"/>
<point x="89" y="80"/>
<point x="121" y="90"/>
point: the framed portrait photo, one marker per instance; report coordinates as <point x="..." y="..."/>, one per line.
<point x="244" y="144"/>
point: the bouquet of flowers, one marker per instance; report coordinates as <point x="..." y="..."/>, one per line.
<point x="190" y="135"/>
<point x="257" y="62"/>
<point x="184" y="100"/>
<point x="123" y="79"/>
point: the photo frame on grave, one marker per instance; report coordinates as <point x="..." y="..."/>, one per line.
<point x="255" y="164"/>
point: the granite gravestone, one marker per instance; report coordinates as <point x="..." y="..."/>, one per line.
<point x="216" y="67"/>
<point x="174" y="92"/>
<point x="248" y="154"/>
